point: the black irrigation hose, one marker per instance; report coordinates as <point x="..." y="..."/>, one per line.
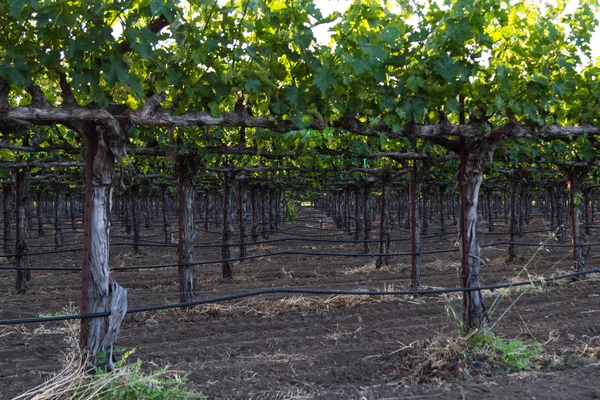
<point x="307" y="253"/>
<point x="145" y="244"/>
<point x="217" y="244"/>
<point x="313" y="235"/>
<point x="11" y="267"/>
<point x="253" y="257"/>
<point x="157" y="244"/>
<point x="301" y="291"/>
<point x="46" y="252"/>
<point x="541" y="244"/>
<point x="51" y="245"/>
<point x="128" y="237"/>
<point x="516" y="233"/>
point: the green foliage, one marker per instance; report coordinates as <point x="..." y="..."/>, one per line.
<point x="500" y="53"/>
<point x="56" y="314"/>
<point x="166" y="310"/>
<point x="517" y="355"/>
<point x="128" y="381"/>
<point x="293" y="206"/>
<point x="133" y="383"/>
<point x="391" y="62"/>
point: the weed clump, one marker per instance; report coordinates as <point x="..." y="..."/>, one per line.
<point x="481" y="352"/>
<point x="78" y="379"/>
<point x="471" y="352"/>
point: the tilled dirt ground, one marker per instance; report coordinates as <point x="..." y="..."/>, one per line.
<point x="327" y="347"/>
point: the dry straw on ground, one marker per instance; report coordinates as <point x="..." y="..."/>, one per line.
<point x="77" y="380"/>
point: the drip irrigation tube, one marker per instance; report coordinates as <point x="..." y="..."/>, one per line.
<point x="301" y="291"/>
<point x="306" y="253"/>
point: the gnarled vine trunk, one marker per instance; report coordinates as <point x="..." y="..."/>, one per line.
<point x="186" y="170"/>
<point x="470" y="177"/>
<point x="99" y="334"/>
<point x="227" y="233"/>
<point x="22" y="204"/>
<point x="414" y="191"/>
<point x="575" y="176"/>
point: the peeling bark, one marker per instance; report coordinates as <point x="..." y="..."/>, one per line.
<point x="21" y="248"/>
<point x="186" y="170"/>
<point x="575" y="176"/>
<point x="415" y="226"/>
<point x="227" y="232"/>
<point x="470" y="177"/>
<point x="102" y="332"/>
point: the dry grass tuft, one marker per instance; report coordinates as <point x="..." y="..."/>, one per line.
<point x="302" y="304"/>
<point x="26" y="333"/>
<point x="77" y="379"/>
<point x="441" y="264"/>
<point x="370" y="268"/>
<point x="479" y="352"/>
<point x="436" y="359"/>
<point x="339" y="334"/>
<point x="309" y="304"/>
<point x="587" y="351"/>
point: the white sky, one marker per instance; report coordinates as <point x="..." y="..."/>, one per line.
<point x="329" y="6"/>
